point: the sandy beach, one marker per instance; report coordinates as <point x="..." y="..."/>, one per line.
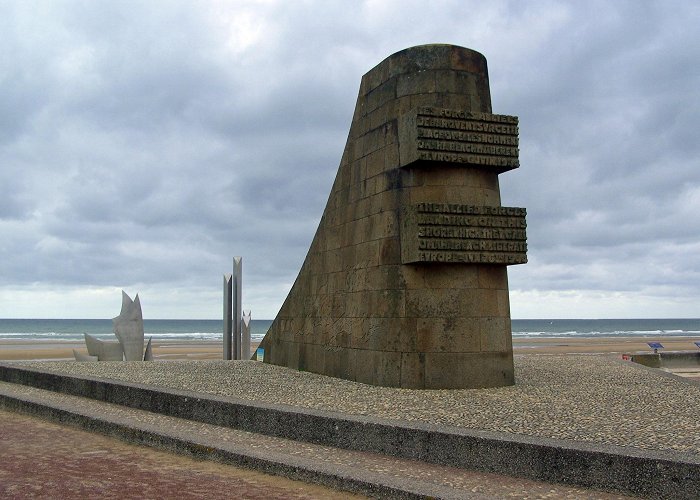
<point x="51" y="350"/>
<point x="193" y="350"/>
<point x="601" y="345"/>
<point x="23" y="350"/>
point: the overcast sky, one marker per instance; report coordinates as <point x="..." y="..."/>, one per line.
<point x="144" y="144"/>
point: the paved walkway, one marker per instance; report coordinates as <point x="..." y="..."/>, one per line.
<point x="46" y="460"/>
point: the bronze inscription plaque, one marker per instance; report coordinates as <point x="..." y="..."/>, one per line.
<point x="469" y="234"/>
<point x="481" y="140"/>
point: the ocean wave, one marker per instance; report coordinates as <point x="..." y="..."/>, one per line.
<point x="210" y="330"/>
<point x="616" y="333"/>
<point x="74" y="337"/>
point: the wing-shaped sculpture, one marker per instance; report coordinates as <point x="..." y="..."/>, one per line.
<point x="79" y="356"/>
<point x="148" y="353"/>
<point x="103" y="350"/>
<point x="128" y="327"/>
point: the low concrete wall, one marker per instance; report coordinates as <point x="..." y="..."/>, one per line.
<point x="675" y="359"/>
<point x="648" y="473"/>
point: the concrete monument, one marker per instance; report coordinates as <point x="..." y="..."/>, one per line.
<point x="405" y="282"/>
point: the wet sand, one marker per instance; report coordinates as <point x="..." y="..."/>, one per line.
<point x="193" y="350"/>
<point x="601" y="345"/>
<point x="17" y="350"/>
<point x="52" y="350"/>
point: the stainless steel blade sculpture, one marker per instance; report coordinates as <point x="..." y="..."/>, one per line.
<point x="228" y="280"/>
<point x="79" y="356"/>
<point x="233" y="346"/>
<point x="128" y="327"/>
<point x="104" y="350"/>
<point x="245" y="336"/>
<point x="236" y="316"/>
<point x="148" y="353"/>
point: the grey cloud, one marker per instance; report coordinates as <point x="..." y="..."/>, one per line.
<point x="137" y="145"/>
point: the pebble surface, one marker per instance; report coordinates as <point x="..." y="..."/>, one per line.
<point x="594" y="399"/>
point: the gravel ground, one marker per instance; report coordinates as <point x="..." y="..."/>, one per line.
<point x="595" y="399"/>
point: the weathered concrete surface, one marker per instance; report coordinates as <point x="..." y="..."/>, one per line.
<point x="615" y="404"/>
<point x="429" y="310"/>
<point x="677" y="359"/>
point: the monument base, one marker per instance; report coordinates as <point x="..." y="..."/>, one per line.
<point x="409" y="370"/>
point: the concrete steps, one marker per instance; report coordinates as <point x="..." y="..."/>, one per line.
<point x="371" y="456"/>
<point x="367" y="473"/>
<point x="355" y="471"/>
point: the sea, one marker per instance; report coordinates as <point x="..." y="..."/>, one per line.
<point x="71" y="330"/>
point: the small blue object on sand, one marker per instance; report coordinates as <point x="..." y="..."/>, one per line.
<point x="655" y="345"/>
